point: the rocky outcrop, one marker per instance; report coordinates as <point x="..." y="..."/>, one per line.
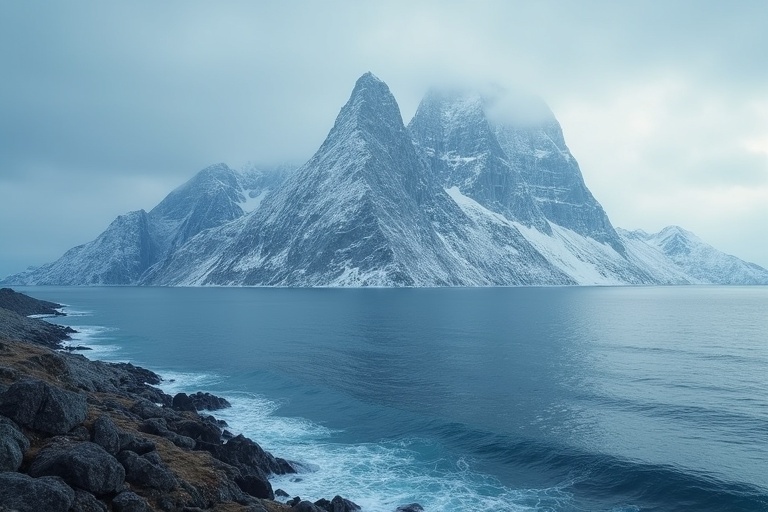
<point x="83" y="465"/>
<point x="25" y="305"/>
<point x="22" y="493"/>
<point x="13" y="444"/>
<point x="40" y="406"/>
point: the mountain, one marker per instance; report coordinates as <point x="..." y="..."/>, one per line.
<point x="363" y="211"/>
<point x="137" y="240"/>
<point x="689" y="256"/>
<point x="477" y="190"/>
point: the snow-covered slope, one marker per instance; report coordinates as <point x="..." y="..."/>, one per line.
<point x="364" y="211"/>
<point x="468" y="195"/>
<point x="137" y="240"/>
<point x="117" y="256"/>
<point x="686" y="258"/>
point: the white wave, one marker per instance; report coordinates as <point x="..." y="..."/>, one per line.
<point x="377" y="476"/>
<point x="98" y="339"/>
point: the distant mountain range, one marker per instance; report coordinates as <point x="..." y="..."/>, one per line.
<point x="468" y="194"/>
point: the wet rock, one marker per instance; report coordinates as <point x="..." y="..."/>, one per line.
<point x="85" y="465"/>
<point x="249" y="457"/>
<point x="142" y="472"/>
<point x="128" y="501"/>
<point x="182" y="402"/>
<point x="106" y="435"/>
<point x="256" y="485"/>
<point x="306" y="506"/>
<point x="208" y="402"/>
<point x="281" y="493"/>
<point x="86" y="502"/>
<point x="13" y="444"/>
<point x="411" y="507"/>
<point x="40" y="406"/>
<point x="198" y="430"/>
<point x="22" y="493"/>
<point x="337" y="504"/>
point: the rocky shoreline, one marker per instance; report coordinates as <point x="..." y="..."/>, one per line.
<point x="82" y="435"/>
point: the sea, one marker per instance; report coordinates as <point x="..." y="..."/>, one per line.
<point x="469" y="399"/>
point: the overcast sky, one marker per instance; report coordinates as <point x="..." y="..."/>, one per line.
<point x="105" y="107"/>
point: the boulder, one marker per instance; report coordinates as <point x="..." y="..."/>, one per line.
<point x="306" y="506"/>
<point x="256" y="485"/>
<point x="411" y="507"/>
<point x="337" y="504"/>
<point x="182" y="402"/>
<point x="198" y="430"/>
<point x="128" y="501"/>
<point x="13" y="444"/>
<point x="85" y="465"/>
<point x="38" y="405"/>
<point x="86" y="502"/>
<point x="159" y="427"/>
<point x="106" y="435"/>
<point x="141" y="471"/>
<point x="140" y="445"/>
<point x="208" y="402"/>
<point x="249" y="457"/>
<point x="22" y="493"/>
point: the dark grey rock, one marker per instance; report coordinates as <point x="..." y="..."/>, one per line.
<point x="128" y="501"/>
<point x="85" y="465"/>
<point x="256" y="485"/>
<point x="86" y="502"/>
<point x="339" y="504"/>
<point x="13" y="444"/>
<point x="159" y="427"/>
<point x="106" y="435"/>
<point x="249" y="457"/>
<point x="197" y="430"/>
<point x="182" y="402"/>
<point x="38" y="405"/>
<point x="411" y="507"/>
<point x="134" y="443"/>
<point x="209" y="402"/>
<point x="140" y="471"/>
<point x="22" y="493"/>
<point x="306" y="506"/>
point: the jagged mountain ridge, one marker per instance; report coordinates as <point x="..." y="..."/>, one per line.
<point x="458" y="198"/>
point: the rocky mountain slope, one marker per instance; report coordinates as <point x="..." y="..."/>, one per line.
<point x="471" y="193"/>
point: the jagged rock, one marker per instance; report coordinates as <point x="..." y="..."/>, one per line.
<point x="106" y="435"/>
<point x="337" y="504"/>
<point x="86" y="502"/>
<point x="209" y="402"/>
<point x="281" y="493"/>
<point x="13" y="444"/>
<point x="182" y="402"/>
<point x="128" y="501"/>
<point x="411" y="507"/>
<point x="159" y="427"/>
<point x="249" y="457"/>
<point x="22" y="493"/>
<point x="85" y="465"/>
<point x="256" y="485"/>
<point x="140" y="445"/>
<point x="306" y="506"/>
<point x="197" y="430"/>
<point x="141" y="471"/>
<point x="40" y="406"/>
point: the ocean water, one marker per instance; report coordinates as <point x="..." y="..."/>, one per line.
<point x="500" y="399"/>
